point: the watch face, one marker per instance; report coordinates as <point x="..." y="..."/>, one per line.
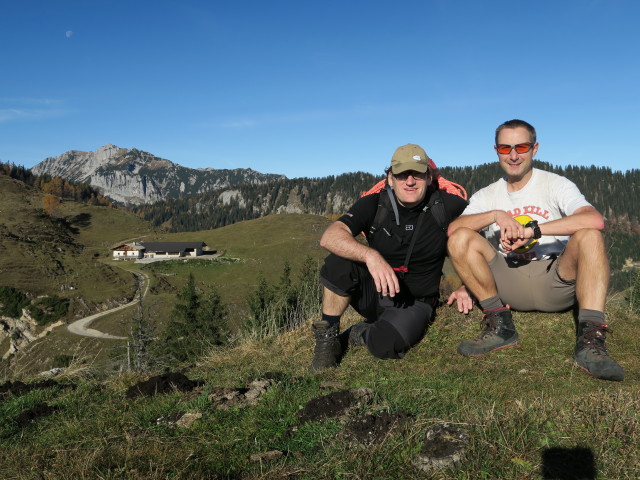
<point x="523" y="220"/>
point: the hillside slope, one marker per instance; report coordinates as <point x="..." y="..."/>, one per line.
<point x="57" y="254"/>
<point x="256" y="411"/>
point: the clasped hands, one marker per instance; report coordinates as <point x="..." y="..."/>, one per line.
<point x="513" y="235"/>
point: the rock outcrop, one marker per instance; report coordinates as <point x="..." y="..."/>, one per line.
<point x="134" y="177"/>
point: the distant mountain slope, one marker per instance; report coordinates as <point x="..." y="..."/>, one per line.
<point x="329" y="196"/>
<point x="133" y="177"/>
<point x="47" y="255"/>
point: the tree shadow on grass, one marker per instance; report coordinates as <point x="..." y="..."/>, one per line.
<point x="576" y="463"/>
<point x="81" y="220"/>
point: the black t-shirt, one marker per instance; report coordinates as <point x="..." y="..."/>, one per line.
<point x="427" y="257"/>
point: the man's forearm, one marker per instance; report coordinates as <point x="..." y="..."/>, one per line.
<point x="586" y="217"/>
<point x="338" y="240"/>
<point x="476" y="221"/>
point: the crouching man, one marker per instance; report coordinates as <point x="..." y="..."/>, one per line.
<point x="393" y="282"/>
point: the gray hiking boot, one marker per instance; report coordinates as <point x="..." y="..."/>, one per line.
<point x="354" y="334"/>
<point x="328" y="350"/>
<point x="590" y="353"/>
<point x="498" y="332"/>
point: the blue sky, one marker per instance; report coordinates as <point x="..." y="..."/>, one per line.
<point x="315" y="88"/>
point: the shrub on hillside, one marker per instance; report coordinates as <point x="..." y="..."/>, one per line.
<point x="61" y="361"/>
<point x="197" y="324"/>
<point x="49" y="309"/>
<point x="287" y="304"/>
<point x="12" y="301"/>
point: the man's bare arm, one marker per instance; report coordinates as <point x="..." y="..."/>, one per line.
<point x="509" y="227"/>
<point x="584" y="217"/>
<point x="338" y="239"/>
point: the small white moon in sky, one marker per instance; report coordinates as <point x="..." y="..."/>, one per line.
<point x="68" y="33"/>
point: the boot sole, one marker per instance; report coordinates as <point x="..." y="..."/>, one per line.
<point x="599" y="377"/>
<point x="474" y="355"/>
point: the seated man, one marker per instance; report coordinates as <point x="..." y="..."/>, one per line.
<point x="394" y="281"/>
<point x="542" y="250"/>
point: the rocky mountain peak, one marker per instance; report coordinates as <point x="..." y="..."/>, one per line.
<point x="132" y="176"/>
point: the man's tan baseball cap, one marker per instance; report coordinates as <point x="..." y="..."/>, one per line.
<point x="409" y="157"/>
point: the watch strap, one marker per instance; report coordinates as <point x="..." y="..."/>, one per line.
<point x="533" y="224"/>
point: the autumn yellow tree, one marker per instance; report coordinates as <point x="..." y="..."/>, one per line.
<point x="51" y="204"/>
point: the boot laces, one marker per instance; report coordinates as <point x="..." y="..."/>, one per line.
<point x="489" y="325"/>
<point x="594" y="336"/>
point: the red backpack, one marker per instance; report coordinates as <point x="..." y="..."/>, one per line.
<point x="443" y="184"/>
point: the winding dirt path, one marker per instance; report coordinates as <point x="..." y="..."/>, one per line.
<point x="81" y="327"/>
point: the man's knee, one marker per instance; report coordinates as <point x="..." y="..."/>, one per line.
<point x="459" y="241"/>
<point x="587" y="238"/>
<point x="465" y="240"/>
<point x="337" y="275"/>
<point x="397" y="330"/>
<point x="586" y="243"/>
<point x="384" y="341"/>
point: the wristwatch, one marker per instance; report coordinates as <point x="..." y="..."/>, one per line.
<point x="536" y="229"/>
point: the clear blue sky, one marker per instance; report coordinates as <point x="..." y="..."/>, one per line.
<point x="315" y="88"/>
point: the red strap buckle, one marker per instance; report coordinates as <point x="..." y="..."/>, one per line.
<point x="401" y="269"/>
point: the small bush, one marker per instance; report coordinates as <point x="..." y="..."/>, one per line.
<point x="286" y="305"/>
<point x="12" y="301"/>
<point x="49" y="309"/>
<point x="61" y="361"/>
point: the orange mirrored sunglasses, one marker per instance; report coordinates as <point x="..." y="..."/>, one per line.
<point x="519" y="148"/>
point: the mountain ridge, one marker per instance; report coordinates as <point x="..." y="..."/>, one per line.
<point x="135" y="177"/>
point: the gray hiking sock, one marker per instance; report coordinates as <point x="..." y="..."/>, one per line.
<point x="491" y="303"/>
<point x="595" y="316"/>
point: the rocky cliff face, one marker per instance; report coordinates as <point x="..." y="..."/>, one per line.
<point x="134" y="177"/>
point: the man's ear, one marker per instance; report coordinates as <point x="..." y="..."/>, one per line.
<point x="390" y="178"/>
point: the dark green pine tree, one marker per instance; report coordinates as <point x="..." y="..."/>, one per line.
<point x="196" y="325"/>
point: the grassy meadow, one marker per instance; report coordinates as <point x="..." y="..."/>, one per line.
<point x="527" y="411"/>
<point x="245" y="252"/>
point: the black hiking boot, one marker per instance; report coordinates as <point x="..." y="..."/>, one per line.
<point x="352" y="336"/>
<point x="328" y="350"/>
<point x="591" y="355"/>
<point x="498" y="332"/>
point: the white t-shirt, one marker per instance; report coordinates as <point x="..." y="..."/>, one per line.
<point x="545" y="197"/>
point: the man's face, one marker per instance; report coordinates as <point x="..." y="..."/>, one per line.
<point x="410" y="190"/>
<point x="516" y="165"/>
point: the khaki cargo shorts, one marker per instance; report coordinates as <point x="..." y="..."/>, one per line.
<point x="532" y="285"/>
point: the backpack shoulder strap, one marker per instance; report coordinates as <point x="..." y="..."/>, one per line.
<point x="386" y="205"/>
<point x="439" y="213"/>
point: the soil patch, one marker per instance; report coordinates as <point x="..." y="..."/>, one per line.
<point x="165" y="383"/>
<point x="335" y="404"/>
<point x="39" y="410"/>
<point x="19" y="388"/>
<point x="369" y="429"/>
<point x="444" y="447"/>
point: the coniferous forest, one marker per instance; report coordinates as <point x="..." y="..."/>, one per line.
<point x="616" y="194"/>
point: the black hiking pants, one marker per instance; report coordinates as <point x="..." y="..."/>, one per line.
<point x="397" y="323"/>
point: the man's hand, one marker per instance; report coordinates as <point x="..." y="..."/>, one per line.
<point x="510" y="229"/>
<point x="463" y="299"/>
<point x="383" y="275"/>
<point x="512" y="245"/>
